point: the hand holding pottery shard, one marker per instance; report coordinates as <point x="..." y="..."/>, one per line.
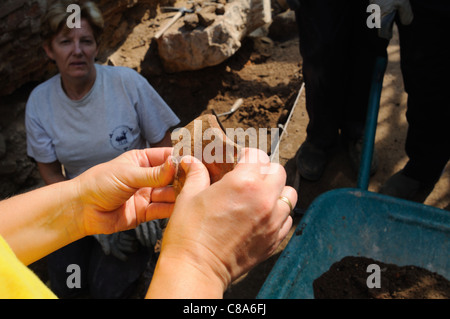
<point x="204" y="139"/>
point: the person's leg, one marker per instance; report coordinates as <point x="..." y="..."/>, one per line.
<point x="76" y="253"/>
<point x="364" y="48"/>
<point x="323" y="37"/>
<point x="323" y="40"/>
<point x="426" y="67"/>
<point x="112" y="278"/>
<point x="338" y="51"/>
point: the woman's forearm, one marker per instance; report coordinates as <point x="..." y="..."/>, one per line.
<point x="180" y="279"/>
<point x="107" y="198"/>
<point x="44" y="220"/>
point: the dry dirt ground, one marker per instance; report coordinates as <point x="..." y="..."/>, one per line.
<point x="268" y="78"/>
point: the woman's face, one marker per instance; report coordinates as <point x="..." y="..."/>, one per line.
<point x="74" y="51"/>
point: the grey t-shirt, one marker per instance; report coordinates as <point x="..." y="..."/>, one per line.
<point x="121" y="112"/>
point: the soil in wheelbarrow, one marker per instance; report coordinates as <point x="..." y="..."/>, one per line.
<point x="348" y="279"/>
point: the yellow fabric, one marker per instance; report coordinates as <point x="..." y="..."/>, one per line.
<point x="16" y="280"/>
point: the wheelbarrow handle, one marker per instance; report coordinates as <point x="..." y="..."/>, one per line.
<point x="371" y="122"/>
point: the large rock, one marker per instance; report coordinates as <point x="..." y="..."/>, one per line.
<point x="183" y="49"/>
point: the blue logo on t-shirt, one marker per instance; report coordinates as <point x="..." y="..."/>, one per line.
<point x="120" y="138"/>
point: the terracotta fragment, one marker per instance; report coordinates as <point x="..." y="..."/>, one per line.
<point x="209" y="143"/>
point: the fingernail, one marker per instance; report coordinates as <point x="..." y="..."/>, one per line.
<point x="172" y="163"/>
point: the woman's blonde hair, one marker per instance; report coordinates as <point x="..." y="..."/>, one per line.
<point x="56" y="17"/>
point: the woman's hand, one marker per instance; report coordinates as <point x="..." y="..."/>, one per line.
<point x="110" y="197"/>
<point x="122" y="193"/>
<point x="218" y="232"/>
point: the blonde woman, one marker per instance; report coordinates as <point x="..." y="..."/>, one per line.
<point x="86" y="115"/>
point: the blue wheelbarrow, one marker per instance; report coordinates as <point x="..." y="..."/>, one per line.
<point x="356" y="222"/>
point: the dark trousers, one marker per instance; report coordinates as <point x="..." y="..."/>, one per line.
<point x="339" y="52"/>
<point x="425" y="64"/>
<point x="102" y="276"/>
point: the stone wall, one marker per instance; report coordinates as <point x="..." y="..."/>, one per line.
<point x="21" y="57"/>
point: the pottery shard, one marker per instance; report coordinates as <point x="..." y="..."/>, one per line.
<point x="204" y="139"/>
